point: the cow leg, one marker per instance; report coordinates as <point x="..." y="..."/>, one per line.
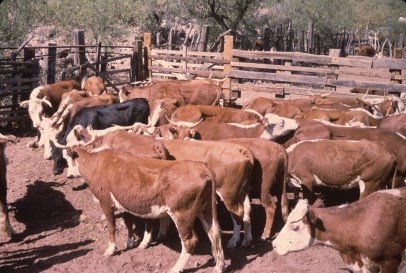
<point x="247" y="223"/>
<point x="147" y="238"/>
<point x="269" y="205"/>
<point x="164" y="223"/>
<point x="108" y="211"/>
<point x="184" y="222"/>
<point x="129" y="223"/>
<point x="5" y="226"/>
<point x="232" y="243"/>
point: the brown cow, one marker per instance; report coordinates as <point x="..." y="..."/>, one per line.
<point x="370" y="233"/>
<point x="284" y="108"/>
<point x="45" y="99"/>
<point x="340" y="164"/>
<point x="175" y="93"/>
<point x="269" y="128"/>
<point x="151" y="188"/>
<point x="395" y="123"/>
<point x="268" y="177"/>
<point x="5" y="227"/>
<point x="194" y="113"/>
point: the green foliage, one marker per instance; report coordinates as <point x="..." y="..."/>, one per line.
<point x="105" y="20"/>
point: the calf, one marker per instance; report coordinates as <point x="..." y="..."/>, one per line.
<point x="45" y="99"/>
<point x="268" y="177"/>
<point x="232" y="164"/>
<point x="370" y="232"/>
<point x="340" y="164"/>
<point x="151" y="188"/>
<point x="102" y="117"/>
<point x="5" y="227"/>
<point x="271" y="127"/>
<point x="194" y="113"/>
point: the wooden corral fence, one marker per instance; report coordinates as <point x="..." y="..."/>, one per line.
<point x="278" y="73"/>
<point x="30" y="66"/>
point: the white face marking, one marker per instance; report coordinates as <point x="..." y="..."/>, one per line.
<point x="73" y="167"/>
<point x="295" y="235"/>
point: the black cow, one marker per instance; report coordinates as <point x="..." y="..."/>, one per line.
<point x="102" y="117"/>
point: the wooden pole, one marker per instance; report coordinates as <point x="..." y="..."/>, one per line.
<point x="29" y="56"/>
<point x="310" y="37"/>
<point x="103" y="65"/>
<point x="228" y="55"/>
<point x="50" y="61"/>
<point x="79" y="40"/>
<point x="147" y="54"/>
<point x="204" y="38"/>
<point x="184" y="54"/>
<point x="136" y="63"/>
<point x="98" y="57"/>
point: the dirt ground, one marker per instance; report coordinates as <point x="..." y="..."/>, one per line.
<point x="60" y="229"/>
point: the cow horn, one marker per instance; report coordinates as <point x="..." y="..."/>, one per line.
<point x="184" y="124"/>
<point x="309" y="92"/>
<point x="328" y="94"/>
<point x="47" y="102"/>
<point x="10" y="138"/>
<point x="24" y="104"/>
<point x="364" y="96"/>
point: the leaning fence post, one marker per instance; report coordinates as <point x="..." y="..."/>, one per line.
<point x="50" y="61"/>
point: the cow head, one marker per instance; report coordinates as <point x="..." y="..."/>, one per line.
<point x="178" y="130"/>
<point x="296" y="235"/>
<point x="163" y="108"/>
<point x="36" y="105"/>
<point x="276" y="126"/>
<point x="48" y="133"/>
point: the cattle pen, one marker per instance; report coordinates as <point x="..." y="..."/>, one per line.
<point x="263" y="73"/>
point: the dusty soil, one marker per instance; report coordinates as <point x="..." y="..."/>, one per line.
<point x="60" y="229"/>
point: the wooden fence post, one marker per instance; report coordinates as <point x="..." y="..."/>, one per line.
<point x="228" y="55"/>
<point x="50" y="61"/>
<point x="204" y="38"/>
<point x="267" y="39"/>
<point x="184" y="54"/>
<point x="80" y="53"/>
<point x="104" y="56"/>
<point x="310" y="48"/>
<point x="98" y="58"/>
<point x="147" y="54"/>
<point x="33" y="66"/>
<point x="172" y="38"/>
<point x="136" y="62"/>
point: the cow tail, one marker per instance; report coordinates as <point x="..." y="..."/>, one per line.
<point x="216" y="245"/>
<point x="394" y="176"/>
<point x="284" y="197"/>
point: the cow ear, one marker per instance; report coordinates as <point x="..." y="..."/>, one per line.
<point x="312" y="216"/>
<point x="71" y="153"/>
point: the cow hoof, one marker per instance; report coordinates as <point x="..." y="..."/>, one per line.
<point x="111" y="249"/>
<point x="143" y="246"/>
<point x="231" y="244"/>
<point x="130" y="243"/>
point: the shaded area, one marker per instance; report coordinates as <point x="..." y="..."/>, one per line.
<point x="37" y="259"/>
<point x="44" y="208"/>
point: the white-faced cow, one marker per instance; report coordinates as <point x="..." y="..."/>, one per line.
<point x="45" y="99"/>
<point x="340" y="164"/>
<point x="152" y="188"/>
<point x="370" y="234"/>
<point x="94" y="85"/>
<point x="5" y="227"/>
<point x="271" y="127"/>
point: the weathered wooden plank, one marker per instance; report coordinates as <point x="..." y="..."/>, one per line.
<point x="355" y="62"/>
<point x="17" y="81"/>
<point x="284" y="68"/>
<point x="200" y="73"/>
<point x="294" y="56"/>
<point x="378" y="73"/>
<point x="353" y="77"/>
<point x="190" y="59"/>
<point x="14" y="88"/>
<point x="190" y="53"/>
<point x="318" y="80"/>
<point x="392" y="87"/>
<point x="388" y="63"/>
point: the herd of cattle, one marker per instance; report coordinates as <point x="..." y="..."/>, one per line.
<point x="136" y="152"/>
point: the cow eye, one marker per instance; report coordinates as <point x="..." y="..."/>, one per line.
<point x="295" y="228"/>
